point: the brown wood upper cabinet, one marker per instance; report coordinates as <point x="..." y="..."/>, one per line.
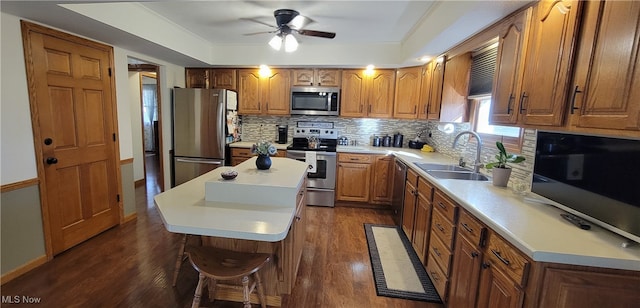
<point x="455" y="89"/>
<point x="407" y="98"/>
<point x="218" y="78"/>
<point x="316" y="77"/>
<point x="367" y="96"/>
<point x="548" y="63"/>
<point x="431" y="89"/>
<point x="264" y="95"/>
<point x="606" y="91"/>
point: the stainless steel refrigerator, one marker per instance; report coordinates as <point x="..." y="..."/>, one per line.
<point x="204" y="121"/>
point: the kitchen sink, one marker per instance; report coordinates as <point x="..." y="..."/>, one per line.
<point x="430" y="166"/>
<point x="457" y="175"/>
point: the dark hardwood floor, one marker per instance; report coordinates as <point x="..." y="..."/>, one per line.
<point x="131" y="265"/>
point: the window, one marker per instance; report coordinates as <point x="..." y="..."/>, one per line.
<point x="510" y="136"/>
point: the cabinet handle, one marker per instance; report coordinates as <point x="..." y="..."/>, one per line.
<point x="474" y="254"/>
<point x="573" y="100"/>
<point x="369" y="108"/>
<point x="466" y="227"/>
<point x="485" y="265"/>
<point x="298" y="218"/>
<point x="511" y="98"/>
<point x="522" y="98"/>
<point x="360" y="108"/>
<point x="426" y="109"/>
<point x="415" y="109"/>
<point x="440" y="227"/>
<point x="442" y="205"/>
<point x="434" y="276"/>
<point x="503" y="260"/>
<point x="435" y="250"/>
<point x="311" y="83"/>
<point x="266" y="106"/>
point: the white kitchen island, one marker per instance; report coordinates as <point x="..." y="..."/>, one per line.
<point x="258" y="211"/>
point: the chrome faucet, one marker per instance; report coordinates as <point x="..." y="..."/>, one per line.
<point x="476" y="164"/>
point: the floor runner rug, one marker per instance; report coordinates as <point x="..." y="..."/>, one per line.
<point x="397" y="270"/>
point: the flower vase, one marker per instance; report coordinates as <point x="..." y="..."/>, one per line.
<point x="263" y="162"/>
<point x="501" y="176"/>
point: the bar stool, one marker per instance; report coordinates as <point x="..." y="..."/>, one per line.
<point x="221" y="264"/>
<point x="181" y="256"/>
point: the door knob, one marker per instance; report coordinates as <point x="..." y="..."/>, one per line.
<point x="52" y="160"/>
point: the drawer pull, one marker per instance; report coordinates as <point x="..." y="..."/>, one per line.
<point x="485" y="265"/>
<point x="474" y="254"/>
<point x="466" y="227"/>
<point x="434" y="276"/>
<point x="440" y="227"/>
<point x="442" y="205"/>
<point x="497" y="254"/>
<point x="435" y="250"/>
<point x="298" y="218"/>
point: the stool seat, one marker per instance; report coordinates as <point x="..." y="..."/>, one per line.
<point x="221" y="264"/>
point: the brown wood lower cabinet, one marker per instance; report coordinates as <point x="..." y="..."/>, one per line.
<point x="239" y="155"/>
<point x="364" y="178"/>
<point x="497" y="290"/>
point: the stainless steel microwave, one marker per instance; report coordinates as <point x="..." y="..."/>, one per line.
<point x="315" y="100"/>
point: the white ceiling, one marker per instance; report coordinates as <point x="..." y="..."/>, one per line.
<point x="211" y="33"/>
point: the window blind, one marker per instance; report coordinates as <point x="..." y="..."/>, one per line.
<point x="483" y="67"/>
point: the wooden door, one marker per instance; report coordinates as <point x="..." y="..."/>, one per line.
<point x="353" y="95"/>
<point x="407" y="92"/>
<point x="328" y="77"/>
<point x="353" y="182"/>
<point x="73" y="106"/>
<point x="223" y="78"/>
<point x="425" y="90"/>
<point x="409" y="208"/>
<point x="381" y="91"/>
<point x="455" y="89"/>
<point x="496" y="290"/>
<point x="608" y="67"/>
<point x="382" y="180"/>
<point x="422" y="225"/>
<point x="549" y="62"/>
<point x="465" y="274"/>
<point x="435" y="94"/>
<point x="277" y="91"/>
<point x="249" y="92"/>
<point x="197" y="77"/>
<point x="507" y="82"/>
<point x="302" y="77"/>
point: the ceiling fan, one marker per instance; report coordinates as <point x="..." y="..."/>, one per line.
<point x="288" y="22"/>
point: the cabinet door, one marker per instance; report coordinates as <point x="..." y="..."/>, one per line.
<point x="455" y="89"/>
<point x="353" y="95"/>
<point x="408" y="210"/>
<point x="422" y="226"/>
<point x="507" y="82"/>
<point x="425" y="90"/>
<point x="407" y="92"/>
<point x="549" y="62"/>
<point x="608" y="67"/>
<point x="382" y="180"/>
<point x="197" y="78"/>
<point x="435" y="94"/>
<point x="496" y="290"/>
<point x="380" y="94"/>
<point x="223" y="78"/>
<point x="249" y="92"/>
<point x="328" y="77"/>
<point x="465" y="274"/>
<point x="353" y="182"/>
<point x="277" y="92"/>
<point x="302" y="77"/>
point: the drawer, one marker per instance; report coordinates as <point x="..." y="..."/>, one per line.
<point x="441" y="254"/>
<point x="508" y="259"/>
<point x="355" y="158"/>
<point x="444" y="229"/>
<point x="281" y="153"/>
<point x="412" y="177"/>
<point x="244" y="152"/>
<point x="438" y="278"/>
<point x="471" y="228"/>
<point x="445" y="206"/>
<point x="425" y="189"/>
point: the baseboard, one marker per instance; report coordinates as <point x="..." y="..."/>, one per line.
<point x="23" y="269"/>
<point x="130" y="217"/>
<point x="139" y="183"/>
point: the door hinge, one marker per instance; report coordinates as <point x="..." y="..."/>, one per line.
<point x="114" y="136"/>
<point x="109" y="72"/>
<point x="118" y="197"/>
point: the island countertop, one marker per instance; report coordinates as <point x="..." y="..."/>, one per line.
<point x="257" y="205"/>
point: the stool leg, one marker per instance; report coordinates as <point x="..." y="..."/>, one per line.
<point x="263" y="300"/>
<point x="179" y="259"/>
<point x="198" y="294"/>
<point x="212" y="289"/>
<point x="245" y="292"/>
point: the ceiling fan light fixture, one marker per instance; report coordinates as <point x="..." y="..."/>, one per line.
<point x="276" y="42"/>
<point x="290" y="43"/>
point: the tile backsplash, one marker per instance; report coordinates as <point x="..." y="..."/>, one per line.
<point x="254" y="128"/>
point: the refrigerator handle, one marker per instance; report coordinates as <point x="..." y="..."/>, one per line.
<point x="199" y="161"/>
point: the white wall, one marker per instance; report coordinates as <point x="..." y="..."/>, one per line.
<point x="136" y="126"/>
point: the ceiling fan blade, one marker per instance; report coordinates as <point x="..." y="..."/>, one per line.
<point x="261" y="32"/>
<point x="260" y="22"/>
<point x="329" y="35"/>
<point x="299" y="22"/>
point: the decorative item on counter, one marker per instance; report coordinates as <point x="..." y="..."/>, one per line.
<point x="386" y="141"/>
<point x="501" y="172"/>
<point x="263" y="149"/>
<point x="343" y="140"/>
<point x="427" y="148"/>
<point x="229" y="174"/>
<point x="376" y="141"/>
<point x="397" y="140"/>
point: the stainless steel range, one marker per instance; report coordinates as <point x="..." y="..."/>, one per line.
<point x="315" y="143"/>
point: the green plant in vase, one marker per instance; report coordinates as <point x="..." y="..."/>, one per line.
<point x="501" y="172"/>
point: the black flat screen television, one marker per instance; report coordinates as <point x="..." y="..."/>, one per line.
<point x="597" y="178"/>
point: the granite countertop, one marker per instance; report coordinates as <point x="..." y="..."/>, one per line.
<point x="533" y="227"/>
<point x="264" y="214"/>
